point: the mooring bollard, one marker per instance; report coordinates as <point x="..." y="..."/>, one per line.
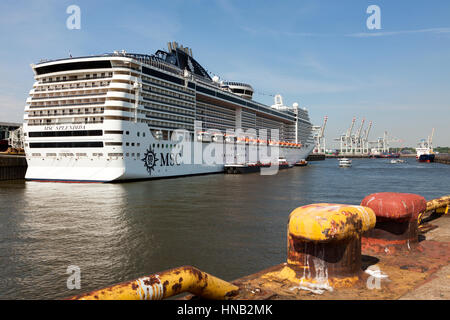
<point x="397" y="221"/>
<point x="440" y="205"/>
<point x="166" y="284"/>
<point x="324" y="242"/>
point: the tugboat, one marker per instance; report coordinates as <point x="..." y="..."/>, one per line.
<point x="345" y="163"/>
<point x="301" y="163"/>
<point x="425" y="149"/>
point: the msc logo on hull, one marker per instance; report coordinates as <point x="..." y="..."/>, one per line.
<point x="166" y="159"/>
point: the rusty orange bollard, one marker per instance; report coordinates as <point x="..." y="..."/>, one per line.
<point x="324" y="242"/>
<point x="397" y="221"/>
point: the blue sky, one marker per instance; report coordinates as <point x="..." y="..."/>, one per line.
<point x="317" y="53"/>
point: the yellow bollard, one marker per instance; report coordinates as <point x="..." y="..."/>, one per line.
<point x="164" y="285"/>
<point x="324" y="243"/>
<point x="441" y="205"/>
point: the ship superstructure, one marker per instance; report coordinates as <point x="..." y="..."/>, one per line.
<point x="111" y="117"/>
<point x="424" y="150"/>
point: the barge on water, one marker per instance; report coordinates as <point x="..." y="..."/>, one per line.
<point x="256" y="167"/>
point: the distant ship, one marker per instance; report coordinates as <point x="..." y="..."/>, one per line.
<point x="388" y="155"/>
<point x="111" y="117"/>
<point x="345" y="162"/>
<point x="424" y="151"/>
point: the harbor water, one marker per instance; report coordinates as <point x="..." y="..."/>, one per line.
<point x="227" y="225"/>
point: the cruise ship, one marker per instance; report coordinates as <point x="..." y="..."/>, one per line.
<point x="113" y="117"/>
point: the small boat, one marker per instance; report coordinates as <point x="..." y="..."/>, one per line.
<point x="301" y="163"/>
<point x="398" y="161"/>
<point x="345" y="162"/>
<point x="283" y="164"/>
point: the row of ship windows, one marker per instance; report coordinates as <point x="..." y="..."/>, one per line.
<point x="75" y="133"/>
<point x="77" y="77"/>
<point x="215" y="112"/>
<point x="210" y="120"/>
<point x="82" y="85"/>
<point x="152" y="123"/>
<point x="69" y="154"/>
<point x="167" y="84"/>
<point x="168" y="93"/>
<point x="167" y="100"/>
<point x="64" y="112"/>
<point x="187" y="111"/>
<point x="128" y="73"/>
<point x="80" y="102"/>
<point x="82" y="154"/>
<point x="164" y="116"/>
<point x="215" y="115"/>
<point x="169" y="126"/>
<point x="164" y="108"/>
<point x="152" y="84"/>
<point x="210" y="107"/>
<point x="70" y="94"/>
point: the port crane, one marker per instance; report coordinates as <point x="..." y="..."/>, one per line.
<point x="319" y="137"/>
<point x="430" y="140"/>
<point x="383" y="143"/>
<point x="346" y="142"/>
<point x="357" y="141"/>
<point x="365" y="141"/>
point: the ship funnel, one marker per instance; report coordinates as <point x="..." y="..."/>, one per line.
<point x="172" y="46"/>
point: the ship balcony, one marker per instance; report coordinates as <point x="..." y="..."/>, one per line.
<point x="125" y="77"/>
<point x="118" y="94"/>
<point x="46" y="115"/>
<point x="121" y="113"/>
<point x="76" y="104"/>
<point x="93" y="95"/>
<point x="43" y="78"/>
<point x="96" y="95"/>
<point x="118" y="103"/>
<point x="119" y="85"/>
<point x="80" y="86"/>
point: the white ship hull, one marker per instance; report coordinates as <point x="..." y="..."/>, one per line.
<point x="42" y="167"/>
